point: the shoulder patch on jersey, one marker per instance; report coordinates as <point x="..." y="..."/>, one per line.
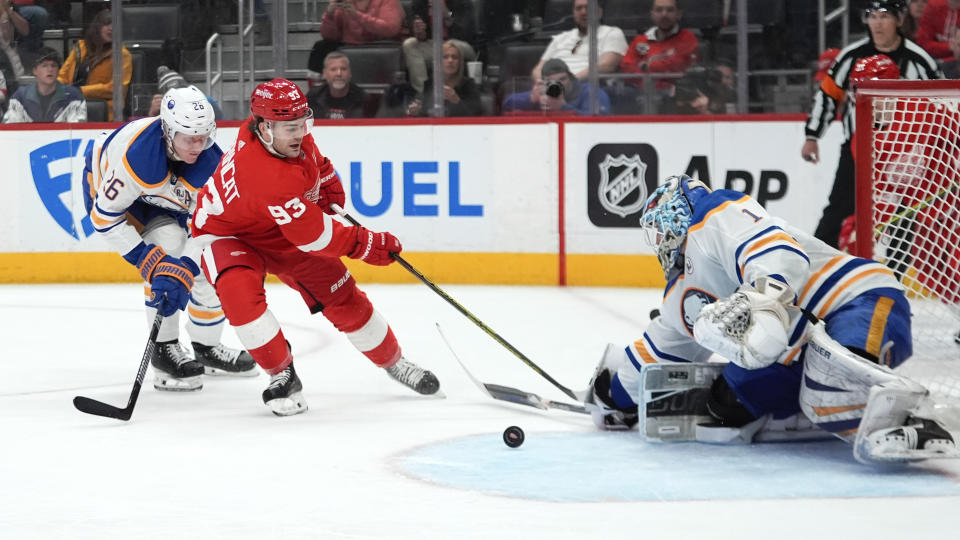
<point x="690" y="305"/>
<point x="146" y="155"/>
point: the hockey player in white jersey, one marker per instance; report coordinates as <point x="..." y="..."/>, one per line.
<point x="737" y="279"/>
<point x="141" y="183"/>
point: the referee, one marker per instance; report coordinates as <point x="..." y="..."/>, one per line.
<point x="883" y="19"/>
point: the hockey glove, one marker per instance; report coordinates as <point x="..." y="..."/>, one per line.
<point x="749" y="327"/>
<point x="330" y="190"/>
<point x="376" y="248"/>
<point x="170" y="279"/>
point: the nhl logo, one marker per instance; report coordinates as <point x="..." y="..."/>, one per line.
<point x="620" y="177"/>
<point x="622" y="188"/>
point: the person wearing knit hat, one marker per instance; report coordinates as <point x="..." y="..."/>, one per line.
<point x="168" y="79"/>
<point x="557" y="91"/>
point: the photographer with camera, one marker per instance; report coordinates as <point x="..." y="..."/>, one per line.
<point x="557" y="91"/>
<point x="701" y="90"/>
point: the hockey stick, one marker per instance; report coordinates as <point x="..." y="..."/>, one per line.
<point x="912" y="210"/>
<point x="99" y="408"/>
<point x="409" y="268"/>
<point x="510" y="394"/>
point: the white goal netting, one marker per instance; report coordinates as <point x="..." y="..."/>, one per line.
<point x="908" y="212"/>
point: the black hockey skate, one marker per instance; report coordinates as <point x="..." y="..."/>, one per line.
<point x="174" y="370"/>
<point x="414" y="377"/>
<point x="283" y="393"/>
<point x="918" y="438"/>
<point x="222" y="360"/>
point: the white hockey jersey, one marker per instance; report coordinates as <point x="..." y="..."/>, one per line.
<point x="731" y="241"/>
<point x="130" y="166"/>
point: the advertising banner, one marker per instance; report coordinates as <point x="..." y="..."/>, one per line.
<point x="474" y="203"/>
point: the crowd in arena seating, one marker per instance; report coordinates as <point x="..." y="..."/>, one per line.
<point x="654" y="56"/>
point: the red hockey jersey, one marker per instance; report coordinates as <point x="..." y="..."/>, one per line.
<point x="270" y="202"/>
<point x="916" y="158"/>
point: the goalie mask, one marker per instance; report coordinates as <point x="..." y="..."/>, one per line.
<point x="186" y="111"/>
<point x="667" y="217"/>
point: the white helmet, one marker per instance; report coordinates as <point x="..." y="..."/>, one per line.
<point x="187" y="111"/>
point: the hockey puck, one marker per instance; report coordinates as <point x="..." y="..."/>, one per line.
<point x="654" y="313"/>
<point x="513" y="436"/>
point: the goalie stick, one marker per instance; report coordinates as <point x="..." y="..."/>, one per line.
<point x="510" y="394"/>
<point x="409" y="268"/>
<point x="99" y="408"/>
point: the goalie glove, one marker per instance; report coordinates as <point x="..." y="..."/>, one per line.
<point x="749" y="327"/>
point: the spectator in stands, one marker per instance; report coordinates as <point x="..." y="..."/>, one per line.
<point x="47" y="100"/>
<point x="461" y="95"/>
<point x="10" y="62"/>
<point x="883" y="18"/>
<point x="168" y="79"/>
<point x="573" y="46"/>
<point x="355" y="22"/>
<point x="458" y="26"/>
<point x="556" y="90"/>
<point x="663" y="48"/>
<point x="90" y="66"/>
<point x="30" y="20"/>
<point x="701" y="90"/>
<point x="399" y="99"/>
<point x="937" y="32"/>
<point x="911" y="21"/>
<point x="338" y="97"/>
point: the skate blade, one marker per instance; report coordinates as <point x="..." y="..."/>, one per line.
<point x="288" y="406"/>
<point x="170" y="384"/>
<point x="216" y="372"/>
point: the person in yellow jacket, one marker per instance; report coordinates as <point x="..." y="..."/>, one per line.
<point x="89" y="65"/>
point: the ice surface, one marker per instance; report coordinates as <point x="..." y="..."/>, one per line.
<point x="373" y="460"/>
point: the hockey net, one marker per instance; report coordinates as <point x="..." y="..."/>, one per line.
<point x="907" y="149"/>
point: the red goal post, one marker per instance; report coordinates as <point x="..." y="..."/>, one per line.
<point x="907" y="153"/>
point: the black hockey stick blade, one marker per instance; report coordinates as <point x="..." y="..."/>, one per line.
<point x="510" y="394"/>
<point x="99" y="408"/>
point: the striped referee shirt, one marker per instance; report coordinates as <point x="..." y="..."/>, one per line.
<point x="913" y="61"/>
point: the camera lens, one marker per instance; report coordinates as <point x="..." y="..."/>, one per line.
<point x="554" y="89"/>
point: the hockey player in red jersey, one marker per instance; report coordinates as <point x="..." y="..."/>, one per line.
<point x="914" y="152"/>
<point x="267" y="209"/>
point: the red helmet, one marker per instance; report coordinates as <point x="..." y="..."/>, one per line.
<point x="878" y="66"/>
<point x="278" y="99"/>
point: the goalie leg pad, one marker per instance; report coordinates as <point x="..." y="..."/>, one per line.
<point x="837" y="384"/>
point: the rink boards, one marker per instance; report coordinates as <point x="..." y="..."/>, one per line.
<point x="510" y="201"/>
